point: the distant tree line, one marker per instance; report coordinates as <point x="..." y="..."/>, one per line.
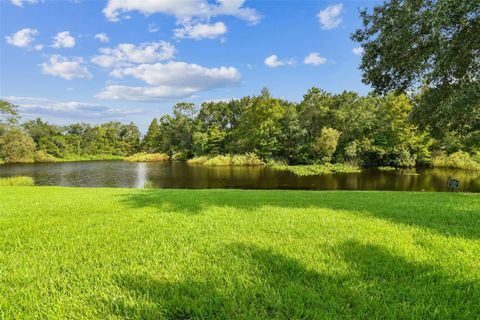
<point x="323" y="127"/>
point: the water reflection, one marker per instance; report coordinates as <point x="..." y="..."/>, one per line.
<point x="181" y="175"/>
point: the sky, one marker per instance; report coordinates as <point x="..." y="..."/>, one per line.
<point x="70" y="61"/>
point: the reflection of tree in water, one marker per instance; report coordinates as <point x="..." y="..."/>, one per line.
<point x="181" y="175"/>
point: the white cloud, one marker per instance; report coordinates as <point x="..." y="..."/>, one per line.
<point x="66" y="68"/>
<point x="126" y="53"/>
<point x="20" y="3"/>
<point x="357" y="51"/>
<point x="32" y="107"/>
<point x="200" y="30"/>
<point x="152" y="27"/>
<point x="182" y="74"/>
<point x="315" y="59"/>
<point x="22" y="38"/>
<point x="170" y="80"/>
<point x="183" y="10"/>
<point x="38" y="47"/>
<point x="330" y="17"/>
<point x="273" y="61"/>
<point x="63" y="40"/>
<point x="116" y="92"/>
<point x="102" y="37"/>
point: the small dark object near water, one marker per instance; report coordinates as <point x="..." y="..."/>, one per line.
<point x="453" y="184"/>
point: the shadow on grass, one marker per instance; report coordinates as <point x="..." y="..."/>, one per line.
<point x="445" y="213"/>
<point x="270" y="285"/>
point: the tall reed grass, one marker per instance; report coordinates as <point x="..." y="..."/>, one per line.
<point x="248" y="159"/>
<point x="148" y="157"/>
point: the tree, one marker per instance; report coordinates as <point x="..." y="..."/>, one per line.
<point x="16" y="146"/>
<point x="259" y="128"/>
<point x="315" y="111"/>
<point x="130" y="139"/>
<point x="47" y="137"/>
<point x="8" y="115"/>
<point x="150" y="142"/>
<point x="216" y="138"/>
<point x="293" y="135"/>
<point x="326" y="144"/>
<point x="430" y="44"/>
<point x="395" y="141"/>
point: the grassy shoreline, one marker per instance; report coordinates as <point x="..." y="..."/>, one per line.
<point x="459" y="160"/>
<point x="162" y="254"/>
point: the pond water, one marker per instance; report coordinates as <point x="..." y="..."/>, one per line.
<point x="182" y="175"/>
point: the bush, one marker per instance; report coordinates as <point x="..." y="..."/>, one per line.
<point x="148" y="157"/>
<point x="16" y="147"/>
<point x="179" y="156"/>
<point x="248" y="159"/>
<point x="43" y="156"/>
<point x="314" y="170"/>
<point x="476" y="157"/>
<point x="17" y="182"/>
<point x="457" y="160"/>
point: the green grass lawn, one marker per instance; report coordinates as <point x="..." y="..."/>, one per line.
<point x="71" y="253"/>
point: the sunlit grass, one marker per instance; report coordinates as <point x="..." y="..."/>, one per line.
<point x="17" y="181"/>
<point x="42" y="156"/>
<point x="79" y="253"/>
<point x="148" y="157"/>
<point x="320" y="169"/>
<point x="387" y="168"/>
<point x="248" y="159"/>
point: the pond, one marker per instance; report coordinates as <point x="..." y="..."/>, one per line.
<point x="181" y="175"/>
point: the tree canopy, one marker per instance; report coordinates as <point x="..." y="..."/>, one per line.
<point x="430" y="48"/>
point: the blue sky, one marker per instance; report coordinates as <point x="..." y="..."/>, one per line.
<point x="127" y="60"/>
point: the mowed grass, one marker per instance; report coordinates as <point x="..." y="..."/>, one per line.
<point x="72" y="253"/>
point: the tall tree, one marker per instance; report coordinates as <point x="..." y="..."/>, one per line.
<point x="150" y="142"/>
<point x="432" y="44"/>
<point x="259" y="129"/>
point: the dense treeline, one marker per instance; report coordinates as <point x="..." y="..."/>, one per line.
<point x="322" y="128"/>
<point x="39" y="141"/>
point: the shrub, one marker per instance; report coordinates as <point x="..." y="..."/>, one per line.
<point x="16" y="147"/>
<point x="179" y="156"/>
<point x="476" y="157"/>
<point x="456" y="160"/>
<point x="19" y="181"/>
<point x="148" y="157"/>
<point x="43" y="156"/>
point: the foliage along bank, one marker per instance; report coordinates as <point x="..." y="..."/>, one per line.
<point x="323" y="128"/>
